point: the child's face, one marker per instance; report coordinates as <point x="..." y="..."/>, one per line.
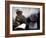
<point x="19" y="14"/>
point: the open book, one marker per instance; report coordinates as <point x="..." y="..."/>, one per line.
<point x="21" y="26"/>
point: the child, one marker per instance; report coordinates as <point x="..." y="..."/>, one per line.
<point x="20" y="19"/>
